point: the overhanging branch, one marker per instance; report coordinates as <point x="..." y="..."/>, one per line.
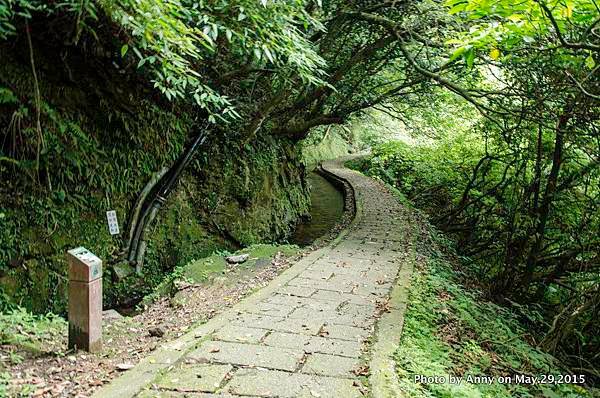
<point x="299" y="130"/>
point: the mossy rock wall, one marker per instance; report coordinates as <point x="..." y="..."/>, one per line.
<point x="103" y="134"/>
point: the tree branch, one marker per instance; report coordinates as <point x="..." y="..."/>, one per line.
<point x="561" y="38"/>
<point x="299" y="130"/>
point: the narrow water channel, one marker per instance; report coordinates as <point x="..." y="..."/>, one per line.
<point x="327" y="208"/>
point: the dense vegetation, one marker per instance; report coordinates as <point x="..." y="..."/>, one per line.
<point x="97" y="96"/>
<point x="481" y="192"/>
<point x="450" y="328"/>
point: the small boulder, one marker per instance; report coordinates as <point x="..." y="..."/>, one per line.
<point x="241" y="258"/>
<point x="156" y="332"/>
<point x="123" y="270"/>
<point x="124" y="366"/>
<point x="111" y="316"/>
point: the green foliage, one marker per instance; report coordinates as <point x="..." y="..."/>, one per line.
<point x="433" y="175"/>
<point x="161" y="38"/>
<point x="13" y="10"/>
<point x="324" y="144"/>
<point x="4" y="380"/>
<point x="8" y="237"/>
<point x="173" y="244"/>
<point x="436" y="178"/>
<point x="456" y="179"/>
<point x="7" y="96"/>
<point x="177" y="40"/>
<point x="91" y="172"/>
<point x="374" y="127"/>
<point x="9" y="9"/>
<point x="517" y="186"/>
<point x="97" y="158"/>
<point x="452" y="330"/>
<point x="521" y="194"/>
<point x="502" y="26"/>
<point x="26" y="331"/>
<point x="51" y="223"/>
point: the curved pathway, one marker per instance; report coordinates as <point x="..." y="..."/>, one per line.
<point x="317" y="330"/>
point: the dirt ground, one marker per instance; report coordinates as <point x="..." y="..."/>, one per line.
<point x="127" y="340"/>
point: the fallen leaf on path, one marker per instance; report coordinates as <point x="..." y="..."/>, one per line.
<point x="361" y="370"/>
<point x="323" y="333"/>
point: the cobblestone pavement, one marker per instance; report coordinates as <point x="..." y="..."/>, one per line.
<point x="304" y="335"/>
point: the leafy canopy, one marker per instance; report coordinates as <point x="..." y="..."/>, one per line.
<point x="177" y="42"/>
<point x="504" y="27"/>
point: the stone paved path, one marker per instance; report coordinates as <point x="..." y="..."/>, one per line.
<point x="306" y="333"/>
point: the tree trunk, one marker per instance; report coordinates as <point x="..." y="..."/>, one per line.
<point x="543" y="211"/>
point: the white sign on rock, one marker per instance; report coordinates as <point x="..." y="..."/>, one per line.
<point x="113" y="225"/>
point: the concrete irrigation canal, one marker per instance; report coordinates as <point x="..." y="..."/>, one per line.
<point x="326" y="210"/>
<point x="316" y="330"/>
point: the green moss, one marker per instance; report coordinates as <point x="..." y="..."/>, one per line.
<point x="104" y="138"/>
<point x="268" y="251"/>
<point x="449" y="330"/>
<point x="206" y="269"/>
<point x="324" y="144"/>
<point x="201" y="270"/>
<point x="28" y="332"/>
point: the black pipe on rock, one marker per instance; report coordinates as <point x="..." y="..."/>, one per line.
<point x="153" y="201"/>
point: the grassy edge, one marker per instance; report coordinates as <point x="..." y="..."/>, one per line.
<point x="452" y="330"/>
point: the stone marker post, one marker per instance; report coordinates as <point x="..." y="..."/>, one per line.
<point x="85" y="300"/>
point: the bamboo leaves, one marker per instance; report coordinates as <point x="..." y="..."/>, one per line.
<point x="178" y="40"/>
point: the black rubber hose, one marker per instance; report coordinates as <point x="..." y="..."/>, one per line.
<point x="159" y="195"/>
<point x="186" y="158"/>
<point x="134" y="214"/>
